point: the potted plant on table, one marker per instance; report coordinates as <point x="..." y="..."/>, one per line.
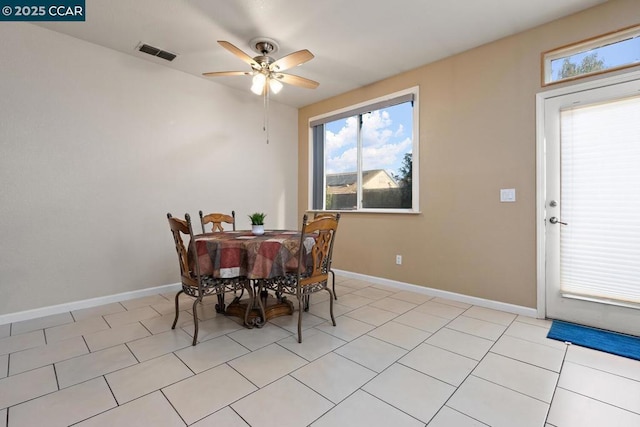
<point x="257" y="223"/>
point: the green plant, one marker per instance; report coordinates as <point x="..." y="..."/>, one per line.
<point x="257" y="218"/>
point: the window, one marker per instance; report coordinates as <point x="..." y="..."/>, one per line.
<point x="609" y="52"/>
<point x="365" y="158"/>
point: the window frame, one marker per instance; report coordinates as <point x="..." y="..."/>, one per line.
<point x="358" y="109"/>
<point x="585" y="46"/>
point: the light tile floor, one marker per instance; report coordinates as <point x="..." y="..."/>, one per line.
<point x="395" y="358"/>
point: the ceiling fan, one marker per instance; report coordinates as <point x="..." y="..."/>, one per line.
<point x="267" y="71"/>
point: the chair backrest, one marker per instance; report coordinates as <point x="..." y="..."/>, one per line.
<point x="180" y="227"/>
<point x="217" y="219"/>
<point x="325" y="229"/>
<point x="317" y="215"/>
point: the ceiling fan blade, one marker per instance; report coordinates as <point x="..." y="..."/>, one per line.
<point x="226" y="73"/>
<point x="297" y="81"/>
<point x="240" y="54"/>
<point x="291" y="60"/>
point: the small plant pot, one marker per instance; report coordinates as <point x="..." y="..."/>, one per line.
<point x="258" y="230"/>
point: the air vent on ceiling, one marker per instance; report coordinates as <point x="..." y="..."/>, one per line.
<point x="154" y="51"/>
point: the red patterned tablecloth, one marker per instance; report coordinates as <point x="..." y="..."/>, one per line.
<point x="239" y="253"/>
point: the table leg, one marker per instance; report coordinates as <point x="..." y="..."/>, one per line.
<point x="263" y="307"/>
<point x="250" y="309"/>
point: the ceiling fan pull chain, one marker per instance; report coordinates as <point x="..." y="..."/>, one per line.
<point x="265" y="121"/>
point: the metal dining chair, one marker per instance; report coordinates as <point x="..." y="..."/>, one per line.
<point x="310" y="277"/>
<point x="333" y="275"/>
<point x="195" y="284"/>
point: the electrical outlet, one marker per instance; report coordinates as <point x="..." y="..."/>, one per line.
<point x="398" y="259"/>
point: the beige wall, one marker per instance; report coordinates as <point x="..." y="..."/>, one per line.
<point x="477" y="135"/>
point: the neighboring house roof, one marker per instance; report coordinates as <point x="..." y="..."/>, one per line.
<point x="344" y="183"/>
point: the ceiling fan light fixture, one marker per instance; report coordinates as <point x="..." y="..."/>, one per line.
<point x="257" y="89"/>
<point x="274" y="85"/>
<point x="258" y="83"/>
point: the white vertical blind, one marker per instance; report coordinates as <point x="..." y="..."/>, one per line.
<point x="600" y="201"/>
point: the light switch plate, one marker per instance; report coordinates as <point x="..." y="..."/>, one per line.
<point x="507" y="194"/>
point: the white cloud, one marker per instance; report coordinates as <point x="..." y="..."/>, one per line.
<point x="399" y="131"/>
<point x="380" y="145"/>
<point x="376" y="128"/>
<point x="345" y="162"/>
<point x="385" y="156"/>
<point x="345" y="136"/>
<point x="340" y="148"/>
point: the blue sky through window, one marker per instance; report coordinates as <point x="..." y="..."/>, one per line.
<point x="614" y="55"/>
<point x="387" y="134"/>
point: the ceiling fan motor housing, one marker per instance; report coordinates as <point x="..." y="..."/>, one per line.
<point x="264" y="45"/>
<point x="264" y="61"/>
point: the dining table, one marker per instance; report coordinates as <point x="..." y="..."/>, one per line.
<point x="242" y="254"/>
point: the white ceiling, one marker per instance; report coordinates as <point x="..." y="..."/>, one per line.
<point x="355" y="42"/>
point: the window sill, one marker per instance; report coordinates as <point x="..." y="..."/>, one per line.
<point x="370" y="211"/>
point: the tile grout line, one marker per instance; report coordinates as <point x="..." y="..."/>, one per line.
<point x="598" y="400"/>
<point x="397" y="361"/>
<point x="600" y="370"/>
<point x="387" y="403"/>
<point x="555" y="389"/>
<point x="346" y="342"/>
<point x="471" y="372"/>
<point x="173" y="407"/>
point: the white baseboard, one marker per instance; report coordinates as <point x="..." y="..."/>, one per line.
<point x="495" y="305"/>
<point x="88" y="303"/>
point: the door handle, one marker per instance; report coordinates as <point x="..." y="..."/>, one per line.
<point x="554" y="220"/>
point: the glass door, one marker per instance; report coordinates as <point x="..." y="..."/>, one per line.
<point x="592" y="211"/>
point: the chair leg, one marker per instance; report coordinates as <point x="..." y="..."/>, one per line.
<point x="175" y="321"/>
<point x="300" y="318"/>
<point x="195" y="320"/>
<point x="241" y="294"/>
<point x="220" y="305"/>
<point x="331" y="306"/>
<point x="333" y="284"/>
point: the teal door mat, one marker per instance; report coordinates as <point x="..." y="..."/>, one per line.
<point x="597" y="339"/>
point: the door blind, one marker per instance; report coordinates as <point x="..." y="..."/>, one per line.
<point x="600" y="202"/>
